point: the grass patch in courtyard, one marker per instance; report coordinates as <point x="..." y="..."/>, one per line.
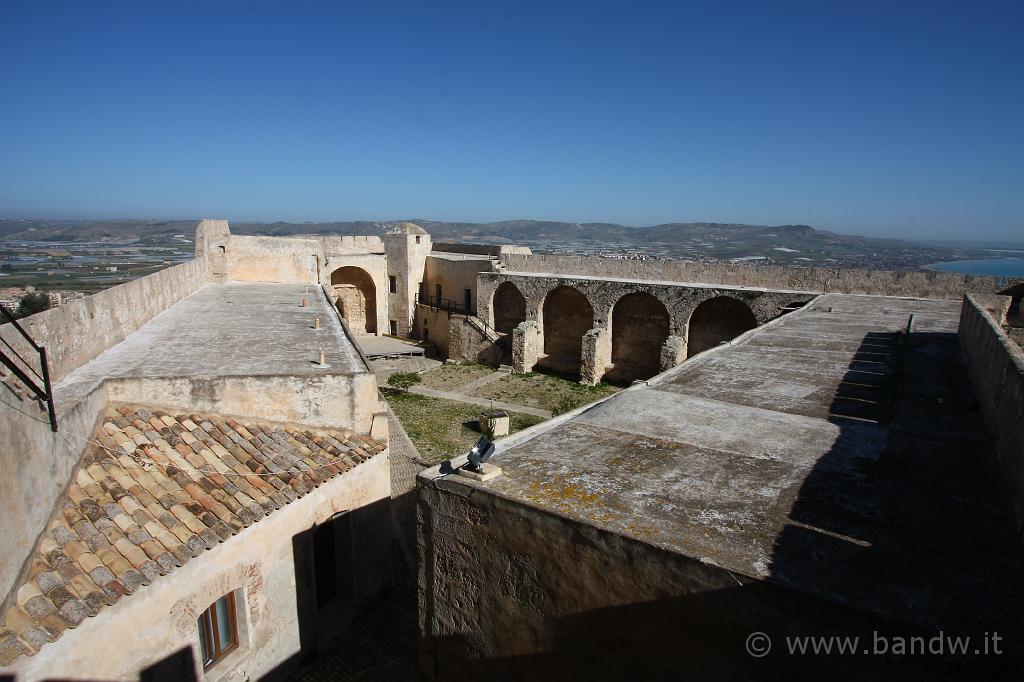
<point x="441" y="429"/>
<point x="558" y="393"/>
<point x="448" y="377"/>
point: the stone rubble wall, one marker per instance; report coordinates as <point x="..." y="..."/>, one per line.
<point x="511" y="592"/>
<point x="927" y="284"/>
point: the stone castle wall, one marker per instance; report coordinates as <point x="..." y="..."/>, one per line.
<point x="817" y="280"/>
<point x="996" y="367"/>
<point x="510" y="592"/>
<point x="77" y="332"/>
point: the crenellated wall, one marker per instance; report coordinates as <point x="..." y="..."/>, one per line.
<point x="818" y="280"/>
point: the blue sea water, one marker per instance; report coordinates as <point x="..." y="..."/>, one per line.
<point x="1000" y="267"/>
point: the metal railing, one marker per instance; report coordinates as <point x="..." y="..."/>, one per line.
<point x="453" y="308"/>
<point x="445" y="304"/>
<point x="43" y="392"/>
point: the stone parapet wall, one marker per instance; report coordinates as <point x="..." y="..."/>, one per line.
<point x="929" y="284"/>
<point x="273" y="259"/>
<point x="36" y="463"/>
<point x="511" y="592"/>
<point x="77" y="332"/>
<point x="995" y="365"/>
<point x="335" y="401"/>
<point x="482" y="249"/>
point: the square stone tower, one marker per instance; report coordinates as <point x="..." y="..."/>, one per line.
<point x="406" y="246"/>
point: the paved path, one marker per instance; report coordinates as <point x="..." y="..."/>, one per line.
<point x="467" y="389"/>
<point x="483" y="402"/>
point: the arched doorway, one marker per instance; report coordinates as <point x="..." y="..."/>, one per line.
<point x="717" y="320"/>
<point x="356" y="298"/>
<point x="640" y="325"/>
<point x="568" y="315"/>
<point x="509" y="308"/>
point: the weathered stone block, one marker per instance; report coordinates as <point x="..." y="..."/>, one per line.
<point x="494" y="422"/>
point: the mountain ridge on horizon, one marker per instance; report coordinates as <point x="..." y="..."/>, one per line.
<point x="781" y="244"/>
<point x="85" y="230"/>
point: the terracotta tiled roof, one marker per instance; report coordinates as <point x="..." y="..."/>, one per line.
<point x="159" y="492"/>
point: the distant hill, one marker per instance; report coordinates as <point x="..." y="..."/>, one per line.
<point x="791" y="244"/>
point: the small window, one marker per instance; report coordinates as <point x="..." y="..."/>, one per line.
<point x="417" y="239"/>
<point x="437" y="291"/>
<point x="218" y="631"/>
<point x="392" y="284"/>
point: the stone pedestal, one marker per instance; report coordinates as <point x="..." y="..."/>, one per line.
<point x="596" y="356"/>
<point x="494" y="422"/>
<point x="527" y="346"/>
<point x="672" y="352"/>
<point x="489" y="471"/>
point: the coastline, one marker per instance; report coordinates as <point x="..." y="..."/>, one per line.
<point x="1013" y="267"/>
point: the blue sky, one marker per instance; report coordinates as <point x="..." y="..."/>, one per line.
<point x="897" y="119"/>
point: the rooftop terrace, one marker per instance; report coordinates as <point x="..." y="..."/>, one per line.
<point x="232" y="329"/>
<point x="823" y="452"/>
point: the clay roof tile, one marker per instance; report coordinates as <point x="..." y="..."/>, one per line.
<point x="158" y="491"/>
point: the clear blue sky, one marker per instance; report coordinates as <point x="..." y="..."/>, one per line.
<point x="901" y="119"/>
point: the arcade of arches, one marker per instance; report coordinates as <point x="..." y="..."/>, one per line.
<point x="356" y="298"/>
<point x="647" y="332"/>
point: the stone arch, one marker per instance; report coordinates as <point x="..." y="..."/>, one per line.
<point x="356" y="298"/>
<point x="715" y="321"/>
<point x="568" y="315"/>
<point x="508" y="308"/>
<point x="640" y="326"/>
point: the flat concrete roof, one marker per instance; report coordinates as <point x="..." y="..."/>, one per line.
<point x="232" y="329"/>
<point x="816" y="452"/>
<point x="665" y="283"/>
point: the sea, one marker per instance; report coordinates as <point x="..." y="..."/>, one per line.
<point x="999" y="267"/>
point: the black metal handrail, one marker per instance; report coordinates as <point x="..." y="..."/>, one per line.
<point x="452" y="307"/>
<point x="445" y="304"/>
<point x="43" y="393"/>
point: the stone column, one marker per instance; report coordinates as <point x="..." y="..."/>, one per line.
<point x="672" y="352"/>
<point x="597" y="355"/>
<point x="527" y="346"/>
